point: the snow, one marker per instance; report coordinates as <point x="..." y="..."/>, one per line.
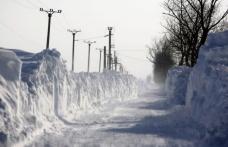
<point x="207" y="93"/>
<point x="176" y="84"/>
<point x="205" y="90"/>
<point x="43" y="104"/>
<point x="146" y="121"/>
<point x="215" y="40"/>
<point x="10" y="65"/>
<point x="37" y="90"/>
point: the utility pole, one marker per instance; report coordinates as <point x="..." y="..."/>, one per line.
<point x="100" y="59"/>
<point x="89" y="44"/>
<point x="115" y="60"/>
<point x="107" y="57"/>
<point x="121" y="68"/>
<point x="118" y="65"/>
<point x="104" y="57"/>
<point x="49" y="12"/>
<point x="111" y="62"/>
<point x="73" y="33"/>
<point x="110" y="47"/>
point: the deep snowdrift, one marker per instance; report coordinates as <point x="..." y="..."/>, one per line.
<point x="207" y="89"/>
<point x="10" y="66"/>
<point x="176" y="84"/>
<point x="207" y="93"/>
<point x="37" y="90"/>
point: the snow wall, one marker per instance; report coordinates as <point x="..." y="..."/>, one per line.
<point x="206" y="93"/>
<point x="176" y="84"/>
<point x="36" y="90"/>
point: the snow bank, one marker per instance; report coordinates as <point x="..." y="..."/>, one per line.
<point x="10" y="70"/>
<point x="87" y="91"/>
<point x="10" y="65"/>
<point x="207" y="93"/>
<point x="48" y="92"/>
<point x="176" y="84"/>
<point x="206" y="89"/>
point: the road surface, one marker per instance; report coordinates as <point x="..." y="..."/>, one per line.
<point x="148" y="121"/>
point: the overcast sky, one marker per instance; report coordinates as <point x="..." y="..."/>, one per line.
<point x="136" y="23"/>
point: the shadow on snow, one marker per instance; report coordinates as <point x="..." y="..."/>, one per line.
<point x="176" y="125"/>
<point x="162" y="104"/>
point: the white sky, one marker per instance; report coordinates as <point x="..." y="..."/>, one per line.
<point x="135" y="22"/>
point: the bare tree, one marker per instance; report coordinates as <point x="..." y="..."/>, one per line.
<point x="223" y="26"/>
<point x="189" y="23"/>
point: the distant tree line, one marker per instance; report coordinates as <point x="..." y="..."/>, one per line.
<point x="160" y="54"/>
<point x="188" y="23"/>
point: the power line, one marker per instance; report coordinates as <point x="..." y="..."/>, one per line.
<point x="32" y="4"/>
<point x="18" y="34"/>
<point x="134" y="58"/>
<point x="42" y="4"/>
<point x="119" y="50"/>
<point x="61" y="25"/>
<point x="90" y="38"/>
<point x="58" y="25"/>
<point x="21" y="4"/>
<point x="60" y="28"/>
<point x="65" y="20"/>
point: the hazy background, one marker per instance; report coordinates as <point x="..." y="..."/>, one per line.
<point x="136" y="23"/>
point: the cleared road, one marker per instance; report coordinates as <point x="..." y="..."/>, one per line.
<point x="149" y="121"/>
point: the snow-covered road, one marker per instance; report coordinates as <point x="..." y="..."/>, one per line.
<point x="146" y="121"/>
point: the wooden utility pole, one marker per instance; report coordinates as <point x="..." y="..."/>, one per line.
<point x="115" y="60"/>
<point x="104" y="58"/>
<point x="89" y="44"/>
<point x="50" y="12"/>
<point x="110" y="47"/>
<point x="73" y="33"/>
<point x="112" y="63"/>
<point x="100" y="50"/>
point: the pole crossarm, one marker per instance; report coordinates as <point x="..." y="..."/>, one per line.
<point x="100" y="49"/>
<point x="50" y="11"/>
<point x="89" y="42"/>
<point x="74" y="31"/>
